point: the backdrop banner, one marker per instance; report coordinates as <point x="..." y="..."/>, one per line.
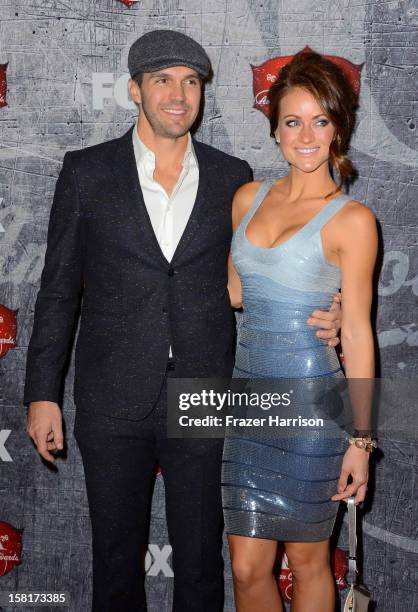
<point x="63" y="86"/>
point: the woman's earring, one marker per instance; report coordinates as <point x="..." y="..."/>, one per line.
<point x="278" y="141"/>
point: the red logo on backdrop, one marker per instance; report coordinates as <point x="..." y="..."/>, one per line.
<point x="7" y="329"/>
<point x="128" y="2"/>
<point x="3" y="85"/>
<point x="339" y="565"/>
<point x="10" y="547"/>
<point x="265" y="75"/>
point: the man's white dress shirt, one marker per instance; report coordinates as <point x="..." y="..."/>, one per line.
<point x="169" y="214"/>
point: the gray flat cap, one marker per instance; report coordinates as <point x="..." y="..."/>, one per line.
<point x="165" y="48"/>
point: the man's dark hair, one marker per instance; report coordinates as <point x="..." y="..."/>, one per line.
<point x="138" y="78"/>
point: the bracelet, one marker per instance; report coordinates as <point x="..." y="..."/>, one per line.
<point x="366" y="443"/>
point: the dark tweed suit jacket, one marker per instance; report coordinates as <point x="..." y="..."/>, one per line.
<point x="102" y="253"/>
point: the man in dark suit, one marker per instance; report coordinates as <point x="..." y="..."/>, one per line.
<point x="139" y="235"/>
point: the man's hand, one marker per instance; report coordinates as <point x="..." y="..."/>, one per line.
<point x="44" y="425"/>
<point x="329" y="322"/>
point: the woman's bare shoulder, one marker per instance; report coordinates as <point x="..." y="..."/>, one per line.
<point x="357" y="214"/>
<point x="357" y="228"/>
<point x="243" y="198"/>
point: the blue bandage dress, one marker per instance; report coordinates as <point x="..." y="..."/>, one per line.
<point x="279" y="486"/>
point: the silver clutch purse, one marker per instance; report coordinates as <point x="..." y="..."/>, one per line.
<point x="358" y="597"/>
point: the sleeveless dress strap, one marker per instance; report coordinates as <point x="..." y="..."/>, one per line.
<point x="261" y="193"/>
<point x="324" y="215"/>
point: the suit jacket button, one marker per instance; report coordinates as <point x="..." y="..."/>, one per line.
<point x="170" y="271"/>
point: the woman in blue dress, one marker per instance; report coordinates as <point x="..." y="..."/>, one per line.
<point x="296" y="241"/>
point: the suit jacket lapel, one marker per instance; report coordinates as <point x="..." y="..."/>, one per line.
<point x="199" y="212"/>
<point x="126" y="175"/>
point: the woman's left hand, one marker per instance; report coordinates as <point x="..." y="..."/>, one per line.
<point x="356" y="463"/>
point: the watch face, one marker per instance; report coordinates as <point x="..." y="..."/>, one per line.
<point x="366" y="443"/>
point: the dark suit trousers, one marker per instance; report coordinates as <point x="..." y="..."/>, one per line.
<point x="119" y="459"/>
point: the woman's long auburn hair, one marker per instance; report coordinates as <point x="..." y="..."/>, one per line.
<point x="327" y="83"/>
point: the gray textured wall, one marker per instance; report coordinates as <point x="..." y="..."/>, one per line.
<point x="61" y="55"/>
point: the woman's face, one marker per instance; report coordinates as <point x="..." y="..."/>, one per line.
<point x="304" y="131"/>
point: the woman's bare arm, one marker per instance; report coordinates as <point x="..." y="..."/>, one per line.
<point x="242" y="201"/>
<point x="357" y="252"/>
<point x="357" y="259"/>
